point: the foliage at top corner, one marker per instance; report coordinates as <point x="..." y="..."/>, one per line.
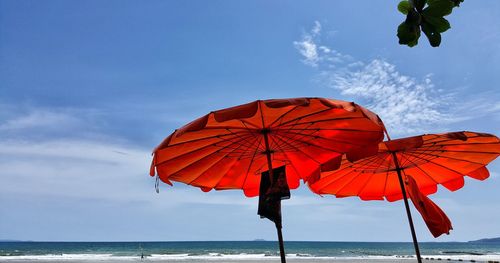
<point x="424" y="16"/>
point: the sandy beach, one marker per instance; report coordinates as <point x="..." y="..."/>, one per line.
<point x="402" y="260"/>
<point x="294" y="260"/>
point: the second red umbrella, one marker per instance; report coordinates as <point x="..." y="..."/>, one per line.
<point x="429" y="159"/>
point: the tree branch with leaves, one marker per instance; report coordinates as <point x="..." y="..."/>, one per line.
<point x="424" y="16"/>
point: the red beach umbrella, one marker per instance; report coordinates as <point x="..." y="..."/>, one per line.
<point x="427" y="160"/>
<point x="231" y="148"/>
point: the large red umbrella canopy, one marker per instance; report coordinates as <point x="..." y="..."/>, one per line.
<point x="228" y="148"/>
<point x="430" y="159"/>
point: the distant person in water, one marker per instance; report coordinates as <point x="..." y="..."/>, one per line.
<point x="142" y="256"/>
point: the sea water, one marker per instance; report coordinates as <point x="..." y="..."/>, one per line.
<point x="241" y="250"/>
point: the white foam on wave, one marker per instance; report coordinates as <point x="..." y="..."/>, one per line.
<point x="454" y="257"/>
<point x="211" y="256"/>
<point x="83" y="257"/>
<point x="233" y="257"/>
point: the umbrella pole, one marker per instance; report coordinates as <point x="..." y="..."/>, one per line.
<point x="270" y="167"/>
<point x="407" y="206"/>
<point x="280" y="240"/>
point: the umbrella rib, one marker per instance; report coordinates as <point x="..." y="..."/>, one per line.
<point x="208" y="155"/>
<point x="441" y="156"/>
<point x="350" y="166"/>
<point x="226" y="154"/>
<point x="440" y="165"/>
<point x="288" y="146"/>
<point x="247" y="143"/>
<point x="385" y="183"/>
<point x="325" y="138"/>
<point x="454" y="151"/>
<point x="443" y="141"/>
<point x="222" y="128"/>
<point x="383" y="160"/>
<point x="323" y="120"/>
<point x="257" y="136"/>
<point x="282" y="115"/>
<point x="380" y="161"/>
<point x="306" y="143"/>
<point x="423" y="171"/>
<point x="463" y="144"/>
<point x="297" y="137"/>
<point x="208" y="137"/>
<point x="350" y="180"/>
<point x="222" y="177"/>
<point x="291" y="139"/>
<point x="210" y="167"/>
<point x="244" y="122"/>
<point x="287" y="130"/>
<point x="348" y="172"/>
<point x="298" y="149"/>
<point x="251" y="147"/>
<point x="215" y="164"/>
<point x="324" y="129"/>
<point x="304" y="116"/>
<point x="280" y="146"/>
<point x="441" y="138"/>
<point x="293" y="166"/>
<point x="438" y="138"/>
<point x="251" y="162"/>
<point x="234" y="148"/>
<point x="197" y="149"/>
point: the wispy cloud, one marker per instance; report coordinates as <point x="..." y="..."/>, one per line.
<point x="39" y="119"/>
<point x="407" y="104"/>
<point x="308" y="50"/>
<point x="70" y="168"/>
<point x="27" y="122"/>
<point x="313" y="53"/>
<point x="480" y="105"/>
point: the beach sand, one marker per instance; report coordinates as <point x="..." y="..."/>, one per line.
<point x="292" y="260"/>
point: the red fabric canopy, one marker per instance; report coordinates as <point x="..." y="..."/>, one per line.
<point x="436" y="220"/>
<point x="430" y="159"/>
<point x="226" y="149"/>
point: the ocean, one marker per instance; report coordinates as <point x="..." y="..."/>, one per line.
<point x="240" y="250"/>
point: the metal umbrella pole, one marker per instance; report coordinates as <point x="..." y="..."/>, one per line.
<point x="270" y="167"/>
<point x="407" y="206"/>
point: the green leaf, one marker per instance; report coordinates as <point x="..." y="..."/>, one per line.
<point x="440" y="24"/>
<point x="413" y="17"/>
<point x="438" y="8"/>
<point x="404" y="7"/>
<point x="419" y="4"/>
<point x="432" y="34"/>
<point x="427" y="16"/>
<point x="408" y="34"/>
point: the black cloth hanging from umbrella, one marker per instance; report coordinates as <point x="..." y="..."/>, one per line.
<point x="271" y="193"/>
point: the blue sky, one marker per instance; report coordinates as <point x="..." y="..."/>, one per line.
<point x="89" y="88"/>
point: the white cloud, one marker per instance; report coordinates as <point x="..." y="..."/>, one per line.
<point x="85" y="169"/>
<point x="39" y="119"/>
<point x="308" y="50"/>
<point x="316" y="29"/>
<point x="70" y="168"/>
<point x="479" y="105"/>
<point x="314" y="53"/>
<point x="406" y="104"/>
<point x="30" y="122"/>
